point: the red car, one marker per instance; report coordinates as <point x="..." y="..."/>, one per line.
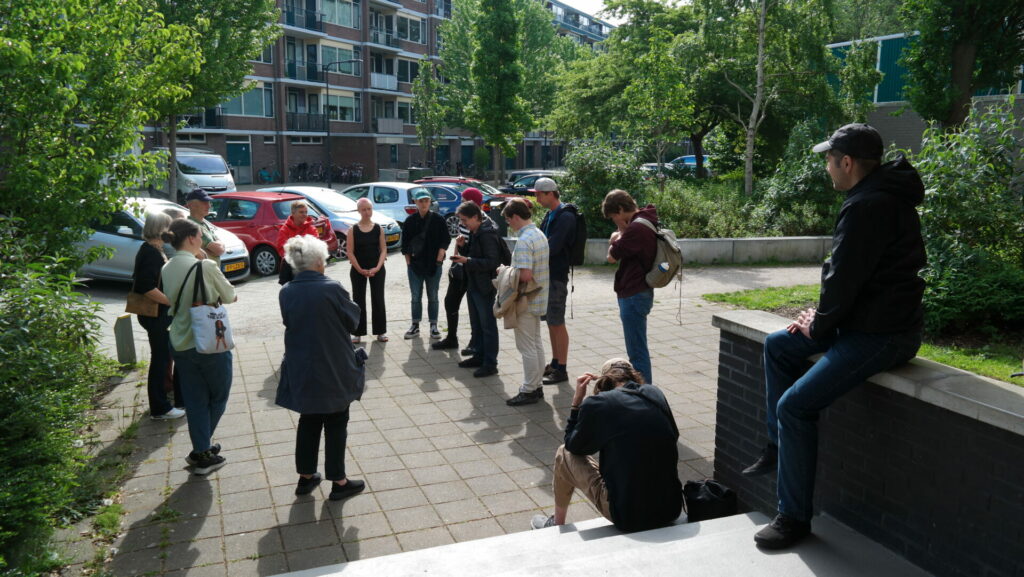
<point x="256" y="218"/>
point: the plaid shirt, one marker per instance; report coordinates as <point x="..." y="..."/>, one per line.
<point x="532" y="253"/>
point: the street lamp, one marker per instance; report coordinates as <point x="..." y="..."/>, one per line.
<point x="327" y="110"/>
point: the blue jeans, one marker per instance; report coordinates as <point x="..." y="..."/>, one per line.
<point x="794" y="397"/>
<point x="416" y="283"/>
<point x="633" y="311"/>
<point x="485" y="327"/>
<point x="206" y="383"/>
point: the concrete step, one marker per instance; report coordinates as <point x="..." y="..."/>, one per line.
<point x="717" y="548"/>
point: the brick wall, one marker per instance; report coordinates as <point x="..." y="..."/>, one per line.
<point x="944" y="490"/>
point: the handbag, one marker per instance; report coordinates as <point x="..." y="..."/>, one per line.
<point x="211" y="329"/>
<point x="457" y="277"/>
<point x="708" y="499"/>
<point x="141" y="304"/>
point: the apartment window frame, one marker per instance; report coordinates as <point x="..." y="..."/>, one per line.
<point x="306" y="140"/>
<point x="336" y="103"/>
<point x="257" y="102"/>
<point x="330" y="54"/>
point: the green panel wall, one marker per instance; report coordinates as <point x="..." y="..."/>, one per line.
<point x="891" y="87"/>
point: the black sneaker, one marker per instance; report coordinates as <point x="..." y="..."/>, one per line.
<point x="766" y="463"/>
<point x="339" y="492"/>
<point x="782" y="532"/>
<point x="548" y="369"/>
<point x="207" y="462"/>
<point x="449" y="342"/>
<point x="471" y="363"/>
<point x="485" y="371"/>
<point x="413" y="331"/>
<point x="468" y="352"/>
<point x="306" y="486"/>
<point x="556" y="376"/>
<point x="526" y="398"/>
<point x="193" y="457"/>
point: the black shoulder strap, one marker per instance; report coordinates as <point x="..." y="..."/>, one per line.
<point x="177" y="301"/>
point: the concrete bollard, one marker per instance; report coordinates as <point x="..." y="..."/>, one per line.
<point x="125" y="340"/>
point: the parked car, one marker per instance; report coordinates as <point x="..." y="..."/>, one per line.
<point x="123" y="233"/>
<point x="514" y="175"/>
<point x="343" y="214"/>
<point x="524" y="185"/>
<point x="448" y="198"/>
<point x="677" y="167"/>
<point x="493" y="198"/>
<point x="391" y="198"/>
<point x="256" y="217"/>
<point x="201" y="168"/>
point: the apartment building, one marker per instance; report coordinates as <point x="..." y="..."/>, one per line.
<point x="338" y="82"/>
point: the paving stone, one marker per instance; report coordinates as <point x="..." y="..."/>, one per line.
<point x="412" y="519"/>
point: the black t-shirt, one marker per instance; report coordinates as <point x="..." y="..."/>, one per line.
<point x="149" y="262"/>
<point x="435" y="237"/>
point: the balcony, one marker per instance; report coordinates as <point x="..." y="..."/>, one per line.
<point x="383" y="81"/>
<point x="302" y="70"/>
<point x="388" y="125"/>
<point x="308" y="19"/>
<point x="305" y="121"/>
<point x="384" y="37"/>
<point x="204" y="118"/>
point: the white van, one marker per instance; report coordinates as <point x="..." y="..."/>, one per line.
<point x="201" y="168"/>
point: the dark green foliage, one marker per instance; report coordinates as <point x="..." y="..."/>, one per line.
<point x="703" y="208"/>
<point x="50" y="358"/>
<point x="595" y="168"/>
<point x="799" y="198"/>
<point x="973" y="221"/>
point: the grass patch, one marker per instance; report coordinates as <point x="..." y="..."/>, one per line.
<point x="995" y="355"/>
<point x="107" y="522"/>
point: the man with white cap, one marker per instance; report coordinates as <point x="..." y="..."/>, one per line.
<point x="868" y="319"/>
<point x="636" y="484"/>
<point x="559" y="226"/>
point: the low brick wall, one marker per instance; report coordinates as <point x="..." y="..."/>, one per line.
<point x="925" y="459"/>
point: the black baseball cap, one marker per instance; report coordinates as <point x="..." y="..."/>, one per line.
<point x="198" y="194"/>
<point x="856" y="140"/>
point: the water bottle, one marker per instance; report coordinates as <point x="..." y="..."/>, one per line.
<point x="663" y="267"/>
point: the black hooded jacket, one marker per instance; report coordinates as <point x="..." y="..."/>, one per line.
<point x="871" y="282"/>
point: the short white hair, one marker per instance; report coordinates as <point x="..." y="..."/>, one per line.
<point x="305" y="252"/>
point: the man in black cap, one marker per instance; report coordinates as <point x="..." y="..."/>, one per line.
<point x="199" y="202"/>
<point x="868" y="319"/>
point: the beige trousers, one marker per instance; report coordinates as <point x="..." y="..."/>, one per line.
<point x="579" y="472"/>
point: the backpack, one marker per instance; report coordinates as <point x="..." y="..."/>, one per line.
<point x="506" y="255"/>
<point x="668" y="259"/>
<point x="578" y="248"/>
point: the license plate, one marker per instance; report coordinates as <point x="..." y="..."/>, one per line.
<point x="391" y="238"/>
<point x="234" y="266"/>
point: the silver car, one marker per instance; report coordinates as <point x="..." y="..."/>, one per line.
<point x="123" y="234"/>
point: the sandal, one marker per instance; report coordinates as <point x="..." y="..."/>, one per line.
<point x="357" y="340"/>
<point x="382" y="338"/>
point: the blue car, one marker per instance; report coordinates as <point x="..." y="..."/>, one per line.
<point x="342" y="213"/>
<point x="448" y="199"/>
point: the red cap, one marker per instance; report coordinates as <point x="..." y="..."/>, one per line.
<point x="473" y="195"/>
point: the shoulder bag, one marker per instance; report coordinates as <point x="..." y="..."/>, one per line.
<point x="211" y="328"/>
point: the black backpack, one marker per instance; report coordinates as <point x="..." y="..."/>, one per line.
<point x="578" y="249"/>
<point x="506" y="255"/>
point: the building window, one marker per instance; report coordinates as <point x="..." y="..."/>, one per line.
<point x="256" y="102"/>
<point x="332" y="54"/>
<point x="406" y="113"/>
<point x="345" y="108"/>
<point x="408" y="70"/>
<point x="270" y="139"/>
<point x="412" y="30"/>
<point x="190" y="138"/>
<point x="267" y="56"/>
<point x="305" y="139"/>
<point x="342" y="12"/>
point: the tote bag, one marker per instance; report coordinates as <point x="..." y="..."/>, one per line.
<point x="211" y="328"/>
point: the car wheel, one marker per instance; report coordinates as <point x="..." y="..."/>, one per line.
<point x="452" y="220"/>
<point x="265" y="260"/>
<point x="342" y="252"/>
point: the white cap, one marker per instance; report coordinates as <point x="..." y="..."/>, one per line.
<point x="545" y="184"/>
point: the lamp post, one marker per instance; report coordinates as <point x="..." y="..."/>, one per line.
<point x="327" y="110"/>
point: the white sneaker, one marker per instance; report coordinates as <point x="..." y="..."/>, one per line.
<point x="174" y="413"/>
<point x="542" y="521"/>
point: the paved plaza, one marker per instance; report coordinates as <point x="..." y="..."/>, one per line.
<point x="444" y="459"/>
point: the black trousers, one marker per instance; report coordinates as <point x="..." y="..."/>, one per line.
<point x="380" y="315"/>
<point x="160" y="365"/>
<point x="307" y="443"/>
<point x="452" y="303"/>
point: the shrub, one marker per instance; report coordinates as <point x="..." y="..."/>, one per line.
<point x="594" y="168"/>
<point x="973" y="221"/>
<point x="702" y="208"/>
<point x="50" y="363"/>
<point x="798" y="200"/>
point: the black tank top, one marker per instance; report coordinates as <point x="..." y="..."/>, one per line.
<point x="367" y="245"/>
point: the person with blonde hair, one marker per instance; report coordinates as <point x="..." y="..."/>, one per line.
<point x="321" y="373"/>
<point x="635" y="485"/>
<point x="367" y="251"/>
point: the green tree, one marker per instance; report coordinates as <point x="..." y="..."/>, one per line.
<point x="859" y="19"/>
<point x="964" y="46"/>
<point x="858" y="77"/>
<point x="429" y="107"/>
<point x="229" y="34"/>
<point x="497" y="110"/>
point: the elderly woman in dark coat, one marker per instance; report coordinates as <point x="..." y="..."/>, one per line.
<point x="321" y="373"/>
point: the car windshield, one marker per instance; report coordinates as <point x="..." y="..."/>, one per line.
<point x="206" y="164"/>
<point x="333" y="201"/>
